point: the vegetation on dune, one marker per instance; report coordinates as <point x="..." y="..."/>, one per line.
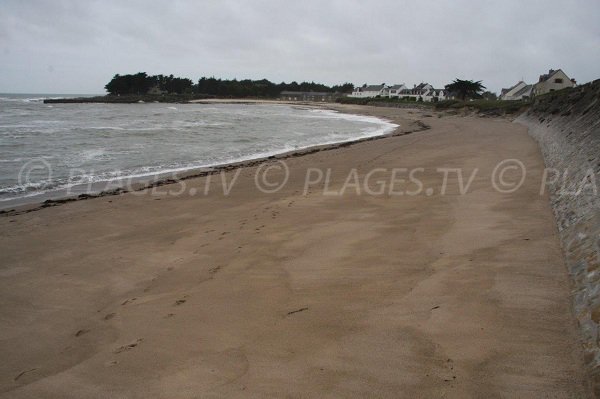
<point x="491" y="107"/>
<point x="379" y="100"/>
<point x="488" y="95"/>
<point x="488" y="107"/>
<point x="580" y="100"/>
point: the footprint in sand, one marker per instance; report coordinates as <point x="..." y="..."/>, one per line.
<point x="129" y="346"/>
<point x="22" y="373"/>
<point x="181" y="301"/>
<point x="128" y="301"/>
<point x="81" y="332"/>
<point x="109" y="316"/>
<point x="223" y="235"/>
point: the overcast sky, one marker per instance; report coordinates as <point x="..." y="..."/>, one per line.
<point x="77" y="46"/>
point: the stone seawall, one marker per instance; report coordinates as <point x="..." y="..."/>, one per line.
<point x="566" y="125"/>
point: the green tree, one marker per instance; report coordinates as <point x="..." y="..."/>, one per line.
<point x="139" y="83"/>
<point x="344" y="88"/>
<point x="464" y="89"/>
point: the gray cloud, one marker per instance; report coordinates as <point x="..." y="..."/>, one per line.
<point x="76" y="47"/>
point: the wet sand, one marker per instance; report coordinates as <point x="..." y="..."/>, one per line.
<point x="185" y="292"/>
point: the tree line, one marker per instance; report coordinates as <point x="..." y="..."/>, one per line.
<point x="142" y="83"/>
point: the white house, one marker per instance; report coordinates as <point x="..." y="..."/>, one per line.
<point x="552" y="81"/>
<point x="421" y="92"/>
<point x="520" y="91"/>
<point x="369" y="91"/>
<point x="424" y="92"/>
<point x="394" y="91"/>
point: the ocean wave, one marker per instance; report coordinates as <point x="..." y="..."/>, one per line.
<point x="105" y="128"/>
<point x="178" y="126"/>
<point x="27" y="187"/>
<point x="332" y="114"/>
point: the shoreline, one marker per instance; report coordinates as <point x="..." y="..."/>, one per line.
<point x="135" y="184"/>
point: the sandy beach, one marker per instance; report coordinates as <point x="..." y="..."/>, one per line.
<point x="347" y="280"/>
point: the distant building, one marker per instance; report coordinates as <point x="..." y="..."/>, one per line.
<point x="520" y="91"/>
<point x="320" y="96"/>
<point x="369" y="91"/>
<point x="394" y="91"/>
<point x="424" y="92"/>
<point x="421" y="92"/>
<point x="552" y="81"/>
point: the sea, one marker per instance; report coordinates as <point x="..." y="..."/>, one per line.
<point x="47" y="149"/>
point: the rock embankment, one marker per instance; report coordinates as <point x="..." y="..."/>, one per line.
<point x="567" y="126"/>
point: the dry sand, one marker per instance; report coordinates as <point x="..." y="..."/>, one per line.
<point x="292" y="295"/>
